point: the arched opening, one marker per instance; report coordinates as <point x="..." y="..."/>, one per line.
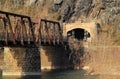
<point x="78" y="39"/>
<point x="79" y="34"/>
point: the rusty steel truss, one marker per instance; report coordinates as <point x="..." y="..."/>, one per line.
<point x="16" y="29"/>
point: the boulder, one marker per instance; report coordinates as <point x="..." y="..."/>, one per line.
<point x="38" y="2"/>
<point x="58" y="1"/>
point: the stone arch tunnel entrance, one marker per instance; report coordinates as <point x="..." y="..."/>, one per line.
<point x="79" y="34"/>
<point x="78" y="40"/>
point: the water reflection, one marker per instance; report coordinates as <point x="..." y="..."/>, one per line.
<point x="23" y="77"/>
<point x="109" y="77"/>
<point x="69" y="74"/>
<point x="63" y="74"/>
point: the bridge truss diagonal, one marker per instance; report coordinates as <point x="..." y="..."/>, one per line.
<point x="16" y="29"/>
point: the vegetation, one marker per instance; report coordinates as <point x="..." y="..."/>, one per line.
<point x="33" y="10"/>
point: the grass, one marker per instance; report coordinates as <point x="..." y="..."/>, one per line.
<point x="33" y="10"/>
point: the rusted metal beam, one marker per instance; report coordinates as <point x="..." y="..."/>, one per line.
<point x="52" y="36"/>
<point x="11" y="30"/>
<point x="18" y="29"/>
<point x="37" y="32"/>
<point x="5" y="32"/>
<point x="25" y="29"/>
<point x="13" y="14"/>
<point x="30" y="25"/>
<point x="45" y="20"/>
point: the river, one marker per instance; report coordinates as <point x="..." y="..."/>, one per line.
<point x="63" y="74"/>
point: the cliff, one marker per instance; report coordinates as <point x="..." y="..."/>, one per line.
<point x="71" y="10"/>
<point x="105" y="11"/>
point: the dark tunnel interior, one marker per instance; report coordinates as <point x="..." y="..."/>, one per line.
<point x="79" y="34"/>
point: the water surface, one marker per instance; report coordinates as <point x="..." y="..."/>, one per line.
<point x="63" y="74"/>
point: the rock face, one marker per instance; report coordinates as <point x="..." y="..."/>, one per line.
<point x="38" y="2"/>
<point x="71" y="10"/>
<point x="58" y="1"/>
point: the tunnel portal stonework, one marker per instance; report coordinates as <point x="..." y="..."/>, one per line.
<point x="90" y="27"/>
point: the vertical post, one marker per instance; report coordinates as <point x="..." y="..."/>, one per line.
<point x="15" y="29"/>
<point x="5" y="31"/>
<point x="59" y="33"/>
<point x="10" y="26"/>
<point x="41" y="31"/>
<point x="22" y="30"/>
<point x="30" y="25"/>
<point x="38" y="33"/>
<point x="46" y="31"/>
<point x="51" y="31"/>
<point x="54" y="39"/>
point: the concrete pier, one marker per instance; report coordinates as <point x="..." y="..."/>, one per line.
<point x="53" y="57"/>
<point x="21" y="61"/>
<point x="30" y="61"/>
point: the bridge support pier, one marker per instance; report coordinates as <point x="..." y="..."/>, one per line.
<point x="53" y="57"/>
<point x="21" y="61"/>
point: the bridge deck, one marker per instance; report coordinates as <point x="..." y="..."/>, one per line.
<point x="26" y="44"/>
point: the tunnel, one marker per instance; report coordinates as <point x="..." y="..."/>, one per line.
<point x="78" y="39"/>
<point x="79" y="34"/>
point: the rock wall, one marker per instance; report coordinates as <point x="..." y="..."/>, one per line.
<point x="71" y="10"/>
<point x="105" y="11"/>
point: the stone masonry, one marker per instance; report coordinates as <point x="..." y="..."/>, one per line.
<point x="21" y="61"/>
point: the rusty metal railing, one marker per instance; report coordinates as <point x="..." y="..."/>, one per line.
<point x="21" y="29"/>
<point x="15" y="27"/>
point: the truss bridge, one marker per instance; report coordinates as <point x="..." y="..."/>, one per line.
<point x="16" y="29"/>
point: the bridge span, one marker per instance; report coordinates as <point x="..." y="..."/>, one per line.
<point x="21" y="30"/>
<point x="27" y="42"/>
